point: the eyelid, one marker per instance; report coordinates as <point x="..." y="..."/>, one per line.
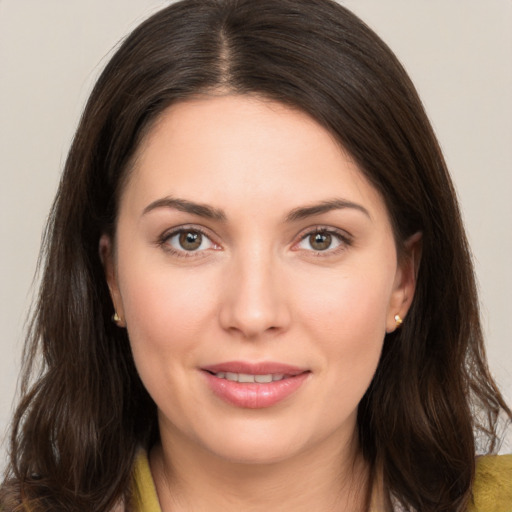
<point x="164" y="238"/>
<point x="343" y="236"/>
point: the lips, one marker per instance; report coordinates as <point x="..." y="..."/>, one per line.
<point x="254" y="385"/>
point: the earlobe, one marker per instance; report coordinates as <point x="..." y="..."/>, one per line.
<point x="106" y="253"/>
<point x="405" y="283"/>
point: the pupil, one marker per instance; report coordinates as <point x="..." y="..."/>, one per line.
<point x="321" y="241"/>
<point x="190" y="240"/>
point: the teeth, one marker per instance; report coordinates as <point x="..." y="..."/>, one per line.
<point x="263" y="378"/>
<point x="248" y="378"/>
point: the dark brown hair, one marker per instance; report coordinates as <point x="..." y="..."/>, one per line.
<point x="83" y="410"/>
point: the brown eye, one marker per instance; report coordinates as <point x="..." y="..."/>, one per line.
<point x="320" y="241"/>
<point x="323" y="241"/>
<point x="184" y="241"/>
<point x="190" y="240"/>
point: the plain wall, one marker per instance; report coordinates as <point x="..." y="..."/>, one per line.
<point x="459" y="54"/>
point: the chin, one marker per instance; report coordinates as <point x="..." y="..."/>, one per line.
<point x="255" y="444"/>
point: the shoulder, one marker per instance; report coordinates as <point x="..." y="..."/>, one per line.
<point x="492" y="489"/>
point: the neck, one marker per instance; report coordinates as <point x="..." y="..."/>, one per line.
<point x="328" y="477"/>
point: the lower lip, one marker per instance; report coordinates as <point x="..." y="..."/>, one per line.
<point x="255" y="396"/>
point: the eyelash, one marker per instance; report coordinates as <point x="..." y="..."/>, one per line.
<point x="164" y="239"/>
<point x="344" y="239"/>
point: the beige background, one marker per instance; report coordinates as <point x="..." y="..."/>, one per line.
<point x="458" y="52"/>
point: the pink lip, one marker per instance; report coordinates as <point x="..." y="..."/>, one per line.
<point x="262" y="368"/>
<point x="253" y="395"/>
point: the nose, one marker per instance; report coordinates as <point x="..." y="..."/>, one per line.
<point x="254" y="297"/>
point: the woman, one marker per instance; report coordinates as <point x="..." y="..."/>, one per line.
<point x="257" y="289"/>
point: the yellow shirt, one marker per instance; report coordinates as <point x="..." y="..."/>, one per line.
<point x="492" y="491"/>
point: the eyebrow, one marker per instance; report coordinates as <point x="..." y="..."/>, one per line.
<point x="182" y="205"/>
<point x="209" y="212"/>
<point x="324" y="207"/>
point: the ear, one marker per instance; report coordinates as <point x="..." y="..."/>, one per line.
<point x="405" y="282"/>
<point x="107" y="256"/>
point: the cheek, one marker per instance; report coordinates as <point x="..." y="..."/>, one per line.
<point x="346" y="316"/>
<point x="165" y="310"/>
<point x="348" y="304"/>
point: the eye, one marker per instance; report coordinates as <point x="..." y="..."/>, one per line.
<point x="188" y="240"/>
<point x="323" y="240"/>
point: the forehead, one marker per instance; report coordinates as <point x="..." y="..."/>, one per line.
<point x="231" y="149"/>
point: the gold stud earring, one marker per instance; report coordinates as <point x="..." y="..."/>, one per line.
<point x="115" y="318"/>
<point x="398" y="321"/>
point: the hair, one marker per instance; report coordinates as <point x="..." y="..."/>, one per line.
<point x="83" y="410"/>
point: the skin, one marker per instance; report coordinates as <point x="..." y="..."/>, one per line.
<point x="257" y="289"/>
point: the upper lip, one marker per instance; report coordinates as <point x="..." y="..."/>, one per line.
<point x="260" y="368"/>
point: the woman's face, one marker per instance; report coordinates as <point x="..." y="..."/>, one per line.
<point x="256" y="272"/>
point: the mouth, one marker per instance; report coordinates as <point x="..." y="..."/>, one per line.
<point x="254" y="386"/>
